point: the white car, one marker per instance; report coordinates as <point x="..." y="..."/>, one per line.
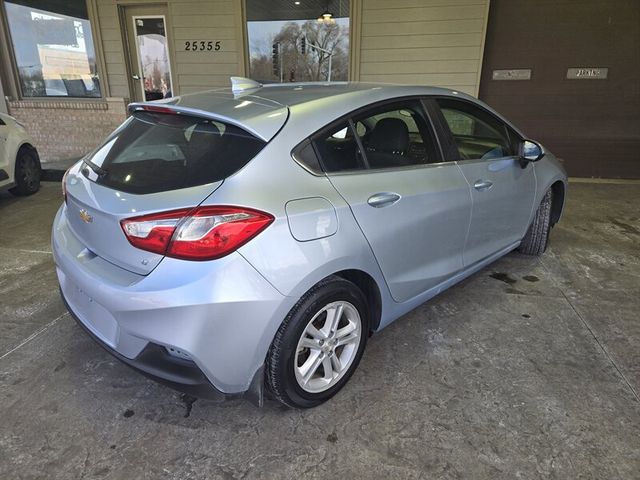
<point x="19" y="160"/>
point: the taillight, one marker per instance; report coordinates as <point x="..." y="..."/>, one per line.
<point x="202" y="233"/>
<point x="153" y="232"/>
<point x="64" y="185"/>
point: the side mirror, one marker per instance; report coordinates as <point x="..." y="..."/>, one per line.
<point x="531" y="151"/>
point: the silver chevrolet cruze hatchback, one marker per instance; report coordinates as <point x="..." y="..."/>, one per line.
<point x="246" y="241"/>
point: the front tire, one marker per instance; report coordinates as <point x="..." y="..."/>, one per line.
<point x="319" y="345"/>
<point x="27" y="173"/>
<point x="537" y="238"/>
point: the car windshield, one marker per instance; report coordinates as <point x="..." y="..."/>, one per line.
<point x="156" y="152"/>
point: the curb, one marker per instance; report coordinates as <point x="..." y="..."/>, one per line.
<point x="51" y="175"/>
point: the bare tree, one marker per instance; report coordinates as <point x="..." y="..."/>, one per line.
<point x="329" y="38"/>
<point x="313" y="65"/>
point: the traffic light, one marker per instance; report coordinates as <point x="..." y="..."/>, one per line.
<point x="303" y="45"/>
<point x="275" y="57"/>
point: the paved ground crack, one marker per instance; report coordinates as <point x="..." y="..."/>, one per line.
<point x="590" y="330"/>
<point x="33" y="335"/>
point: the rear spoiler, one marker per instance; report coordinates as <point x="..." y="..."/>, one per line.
<point x="171" y="109"/>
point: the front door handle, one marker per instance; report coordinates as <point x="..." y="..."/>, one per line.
<point x="135" y="76"/>
<point x="383" y="199"/>
<point x="482" y="185"/>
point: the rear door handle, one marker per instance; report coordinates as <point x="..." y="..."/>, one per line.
<point x="383" y="199"/>
<point x="481" y="185"/>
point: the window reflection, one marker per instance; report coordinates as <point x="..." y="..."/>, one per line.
<point x="283" y="39"/>
<point x="53" y="48"/>
<point x="153" y="53"/>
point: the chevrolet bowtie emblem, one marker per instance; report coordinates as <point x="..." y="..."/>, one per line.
<point x="84" y="215"/>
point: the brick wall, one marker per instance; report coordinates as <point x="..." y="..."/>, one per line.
<point x="67" y="129"/>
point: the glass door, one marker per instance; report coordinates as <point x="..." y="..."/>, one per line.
<point x="150" y="65"/>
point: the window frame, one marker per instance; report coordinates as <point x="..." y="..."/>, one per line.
<point x="452" y="151"/>
<point x="9" y="64"/>
<point x="348" y="118"/>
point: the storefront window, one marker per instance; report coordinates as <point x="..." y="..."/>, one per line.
<point x="298" y="41"/>
<point x="53" y="48"/>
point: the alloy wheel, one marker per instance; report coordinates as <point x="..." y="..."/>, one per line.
<point x="327" y="346"/>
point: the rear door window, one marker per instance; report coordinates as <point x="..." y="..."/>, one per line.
<point x="156" y="152"/>
<point x="397" y="135"/>
<point x="339" y="150"/>
<point x="392" y="135"/>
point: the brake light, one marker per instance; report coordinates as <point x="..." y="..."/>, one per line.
<point x="157" y="109"/>
<point x="201" y="233"/>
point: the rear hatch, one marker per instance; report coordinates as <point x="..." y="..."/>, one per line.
<point x="162" y="158"/>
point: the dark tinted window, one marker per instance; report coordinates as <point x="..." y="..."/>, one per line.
<point x="305" y="155"/>
<point x="391" y="136"/>
<point x="339" y="150"/>
<point x="396" y="135"/>
<point x="477" y="133"/>
<point x="155" y="152"/>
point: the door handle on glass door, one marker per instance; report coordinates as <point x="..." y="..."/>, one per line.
<point x="482" y="185"/>
<point x="383" y="199"/>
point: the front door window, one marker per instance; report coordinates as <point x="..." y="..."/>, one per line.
<point x="477" y="134"/>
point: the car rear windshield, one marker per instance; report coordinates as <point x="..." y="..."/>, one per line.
<point x="157" y="152"/>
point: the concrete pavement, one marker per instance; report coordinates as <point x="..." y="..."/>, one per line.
<point x="528" y="369"/>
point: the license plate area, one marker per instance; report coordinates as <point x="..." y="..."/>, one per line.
<point x="93" y="315"/>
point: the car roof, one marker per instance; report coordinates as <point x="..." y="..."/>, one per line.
<point x="291" y="94"/>
<point x="264" y="109"/>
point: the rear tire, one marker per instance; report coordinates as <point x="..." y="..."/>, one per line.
<point x="319" y="345"/>
<point x="27" y="173"/>
<point x="537" y="238"/>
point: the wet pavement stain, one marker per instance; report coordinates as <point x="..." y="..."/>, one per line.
<point x="526" y="315"/>
<point x="188" y="401"/>
<point x="503" y="277"/>
<point x="531" y="278"/>
<point x="128" y="413"/>
<point x="514" y="291"/>
<point x="332" y="437"/>
<point x="625" y="227"/>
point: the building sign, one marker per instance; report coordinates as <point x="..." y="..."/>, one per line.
<point x="587" y="73"/>
<point x="202" y="45"/>
<point x="513" y="74"/>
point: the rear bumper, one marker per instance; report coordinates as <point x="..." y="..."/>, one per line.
<point x="154" y="362"/>
<point x="221" y="315"/>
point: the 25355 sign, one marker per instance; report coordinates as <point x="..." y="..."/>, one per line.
<point x="203" y="46"/>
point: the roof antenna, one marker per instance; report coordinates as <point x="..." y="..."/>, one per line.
<point x="242" y="84"/>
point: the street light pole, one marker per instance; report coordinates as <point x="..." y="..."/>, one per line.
<point x="313" y="45"/>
